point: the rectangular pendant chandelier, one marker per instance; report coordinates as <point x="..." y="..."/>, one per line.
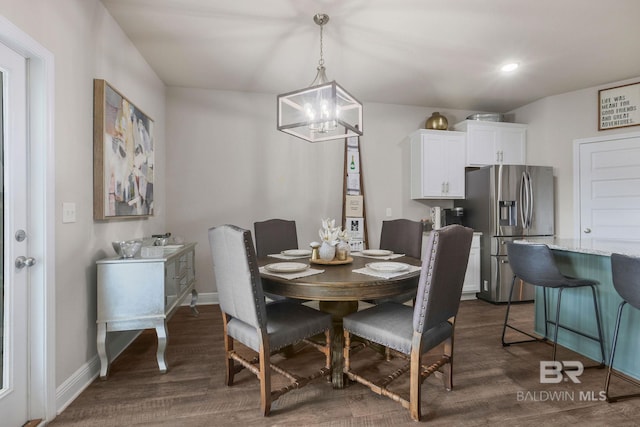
<point x="320" y="113"/>
<point x="324" y="110"/>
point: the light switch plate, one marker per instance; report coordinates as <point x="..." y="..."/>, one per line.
<point x="68" y="212"/>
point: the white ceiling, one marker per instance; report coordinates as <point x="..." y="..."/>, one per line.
<point x="429" y="53"/>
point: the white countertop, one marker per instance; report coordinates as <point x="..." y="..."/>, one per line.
<point x="475" y="233"/>
<point x="597" y="247"/>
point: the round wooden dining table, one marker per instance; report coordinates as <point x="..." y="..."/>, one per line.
<point x="338" y="290"/>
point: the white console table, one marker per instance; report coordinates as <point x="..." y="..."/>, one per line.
<point x="143" y="293"/>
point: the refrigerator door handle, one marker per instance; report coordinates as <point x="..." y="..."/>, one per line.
<point x="530" y="213"/>
<point x="523" y="200"/>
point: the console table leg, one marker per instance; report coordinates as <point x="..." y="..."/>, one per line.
<point x="194" y="299"/>
<point x="161" y="332"/>
<point x="102" y="350"/>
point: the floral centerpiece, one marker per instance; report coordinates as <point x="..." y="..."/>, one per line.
<point x="329" y="237"/>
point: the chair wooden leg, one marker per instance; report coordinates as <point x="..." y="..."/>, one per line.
<point x="415" y="385"/>
<point x="265" y="380"/>
<point x="327" y="349"/>
<point x="228" y="348"/>
<point x="387" y="354"/>
<point x="447" y="369"/>
<point x="346" y="352"/>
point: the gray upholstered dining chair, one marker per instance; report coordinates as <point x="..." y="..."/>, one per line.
<point x="274" y="236"/>
<point x="402" y="236"/>
<point x="534" y="264"/>
<point x="413" y="331"/>
<point x="625" y="271"/>
<point x="263" y="328"/>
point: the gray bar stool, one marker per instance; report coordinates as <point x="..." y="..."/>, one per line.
<point x="626" y="281"/>
<point x="534" y="264"/>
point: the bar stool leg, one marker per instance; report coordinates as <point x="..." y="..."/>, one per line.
<point x="555" y="332"/>
<point x="546" y="321"/>
<point x="601" y="340"/>
<point x="613" y="351"/>
<point x="506" y="316"/>
<point x="506" y="323"/>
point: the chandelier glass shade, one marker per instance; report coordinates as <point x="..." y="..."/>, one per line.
<point x="323" y="111"/>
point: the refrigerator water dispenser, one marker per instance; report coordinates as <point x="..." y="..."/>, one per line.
<point x="508" y="213"/>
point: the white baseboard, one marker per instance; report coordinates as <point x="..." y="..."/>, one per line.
<point x="71" y="388"/>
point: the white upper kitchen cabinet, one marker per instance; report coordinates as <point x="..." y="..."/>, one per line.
<point x="492" y="143"/>
<point x="437" y="164"/>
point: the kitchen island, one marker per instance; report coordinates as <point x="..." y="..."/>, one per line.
<point x="592" y="261"/>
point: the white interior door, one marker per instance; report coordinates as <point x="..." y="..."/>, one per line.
<point x="609" y="189"/>
<point x="14" y="281"/>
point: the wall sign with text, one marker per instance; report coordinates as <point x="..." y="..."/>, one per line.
<point x="619" y="107"/>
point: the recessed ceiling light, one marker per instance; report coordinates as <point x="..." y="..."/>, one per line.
<point x="510" y="67"/>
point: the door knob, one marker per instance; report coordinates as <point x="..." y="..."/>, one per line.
<point x="22" y="262"/>
<point x="587" y="230"/>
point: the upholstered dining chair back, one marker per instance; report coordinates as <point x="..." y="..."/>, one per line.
<point x="274" y="236"/>
<point x="625" y="272"/>
<point x="402" y="236"/>
<point x="237" y="275"/>
<point x="442" y="276"/>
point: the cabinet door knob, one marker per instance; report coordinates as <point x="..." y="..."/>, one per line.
<point x="587" y="230"/>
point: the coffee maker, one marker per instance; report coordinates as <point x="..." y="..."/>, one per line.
<point x="452" y="216"/>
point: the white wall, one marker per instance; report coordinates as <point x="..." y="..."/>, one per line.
<point x="554" y="123"/>
<point x="86" y="44"/>
<point x="229" y="164"/>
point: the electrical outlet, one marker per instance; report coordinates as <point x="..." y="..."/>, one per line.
<point x="389" y="214"/>
<point x="68" y="212"/>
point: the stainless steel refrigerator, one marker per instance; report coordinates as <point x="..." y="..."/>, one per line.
<point x="505" y="203"/>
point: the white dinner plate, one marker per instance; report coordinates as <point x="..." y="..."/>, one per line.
<point x="286" y="267"/>
<point x="297" y="252"/>
<point x="388" y="267"/>
<point x="377" y="252"/>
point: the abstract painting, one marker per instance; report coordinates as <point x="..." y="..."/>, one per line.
<point x="123" y="149"/>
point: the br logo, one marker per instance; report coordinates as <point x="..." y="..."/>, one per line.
<point x="553" y="372"/>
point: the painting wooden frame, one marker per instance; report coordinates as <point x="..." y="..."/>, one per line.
<point x="123" y="156"/>
<point x="619" y="106"/>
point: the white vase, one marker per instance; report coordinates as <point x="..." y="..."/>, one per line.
<point x="327" y="252"/>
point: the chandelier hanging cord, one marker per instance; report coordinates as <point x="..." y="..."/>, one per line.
<point x="321" y="19"/>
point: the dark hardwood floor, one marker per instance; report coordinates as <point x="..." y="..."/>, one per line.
<point x="492" y="385"/>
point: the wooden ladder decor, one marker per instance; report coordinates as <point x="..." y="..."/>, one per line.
<point x="354" y="214"/>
